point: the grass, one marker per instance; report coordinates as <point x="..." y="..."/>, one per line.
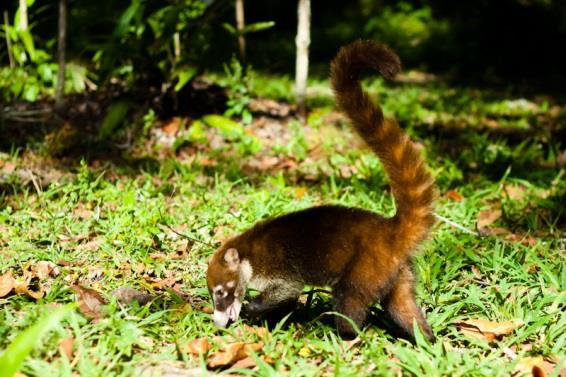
<point x="103" y="226"/>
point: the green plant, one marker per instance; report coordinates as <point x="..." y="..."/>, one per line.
<point x="238" y="80"/>
<point x="34" y="72"/>
<point x="13" y="357"/>
<point x="405" y="27"/>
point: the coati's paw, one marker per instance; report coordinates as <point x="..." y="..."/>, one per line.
<point x="345" y="329"/>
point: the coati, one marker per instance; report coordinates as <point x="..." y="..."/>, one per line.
<point x="362" y="256"/>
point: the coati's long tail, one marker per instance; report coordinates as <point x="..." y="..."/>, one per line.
<point x="412" y="185"/>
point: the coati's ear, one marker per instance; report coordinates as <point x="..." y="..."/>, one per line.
<point x="232" y="258"/>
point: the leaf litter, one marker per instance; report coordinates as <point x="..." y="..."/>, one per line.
<point x="488" y="330"/>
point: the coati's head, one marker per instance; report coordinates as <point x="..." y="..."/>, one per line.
<point x="226" y="285"/>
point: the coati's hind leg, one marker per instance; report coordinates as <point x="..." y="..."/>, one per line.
<point x="353" y="305"/>
<point x="276" y="295"/>
<point x="401" y="305"/>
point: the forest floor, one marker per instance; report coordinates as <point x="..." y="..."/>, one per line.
<point x="98" y="224"/>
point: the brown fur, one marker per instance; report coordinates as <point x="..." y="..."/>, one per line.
<point x="363" y="256"/>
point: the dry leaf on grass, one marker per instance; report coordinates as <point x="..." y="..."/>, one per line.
<point x="8" y="167"/>
<point x="127" y="295"/>
<point x="514" y="192"/>
<point x="232" y="353"/>
<point x="44" y="269"/>
<point x="454" y="195"/>
<point x="536" y="366"/>
<point x="91" y="302"/>
<point x="23" y="286"/>
<point x="66" y="346"/>
<point x="487" y="330"/>
<point x="91" y="245"/>
<point x="486" y="218"/>
<point x="246" y="329"/>
<point x="7" y="283"/>
<point x="34" y="280"/>
<point x="525" y="240"/>
<point x="349" y="344"/>
<point x="196" y="347"/>
<point x="172" y="127"/>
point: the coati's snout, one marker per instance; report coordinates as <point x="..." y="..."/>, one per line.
<point x="224" y="286"/>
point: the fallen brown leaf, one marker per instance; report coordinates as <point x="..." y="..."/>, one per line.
<point x="44" y="269"/>
<point x="8" y="167"/>
<point x="246" y="329"/>
<point x="232" y="353"/>
<point x="525" y="240"/>
<point x="91" y="302"/>
<point x="22" y="286"/>
<point x="84" y="213"/>
<point x="172" y="127"/>
<point x="349" y="344"/>
<point x="488" y="330"/>
<point x="495" y="231"/>
<point x="127" y="295"/>
<point x="197" y="346"/>
<point x="536" y="366"/>
<point x="245" y="363"/>
<point x="91" y="245"/>
<point x="7" y="283"/>
<point x="476" y="271"/>
<point x="454" y="195"/>
<point x="487" y="217"/>
<point x="514" y="192"/>
<point x="66" y="346"/>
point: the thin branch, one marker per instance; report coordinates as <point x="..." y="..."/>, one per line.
<point x="188" y="237"/>
<point x="8" y="41"/>
<point x="456" y="225"/>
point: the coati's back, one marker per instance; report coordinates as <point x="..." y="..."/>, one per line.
<point x="363" y="256"/>
<point x="315" y="245"/>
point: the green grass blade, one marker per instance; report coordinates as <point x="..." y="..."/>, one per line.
<point x="13" y="357"/>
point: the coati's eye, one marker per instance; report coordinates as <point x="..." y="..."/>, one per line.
<point x="220" y="292"/>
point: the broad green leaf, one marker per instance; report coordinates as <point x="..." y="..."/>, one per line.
<point x="13" y="357"/>
<point x="196" y="132"/>
<point x="184" y="77"/>
<point x="226" y="126"/>
<point x="126" y="19"/>
<point x="27" y="40"/>
<point x="258" y="26"/>
<point x="231" y="29"/>
<point x="115" y="116"/>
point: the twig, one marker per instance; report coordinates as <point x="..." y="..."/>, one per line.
<point x="455" y="225"/>
<point x="8" y="41"/>
<point x="188" y="237"/>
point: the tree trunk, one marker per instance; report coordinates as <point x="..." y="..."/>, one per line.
<point x="302" y="41"/>
<point x="61" y="38"/>
<point x="240" y="24"/>
<point x="23" y="15"/>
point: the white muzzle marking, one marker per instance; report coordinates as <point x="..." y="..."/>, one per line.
<point x="221" y="318"/>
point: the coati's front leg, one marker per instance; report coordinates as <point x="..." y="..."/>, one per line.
<point x="401" y="305"/>
<point x="275" y="295"/>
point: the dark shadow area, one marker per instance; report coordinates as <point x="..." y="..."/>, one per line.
<point x="319" y="311"/>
